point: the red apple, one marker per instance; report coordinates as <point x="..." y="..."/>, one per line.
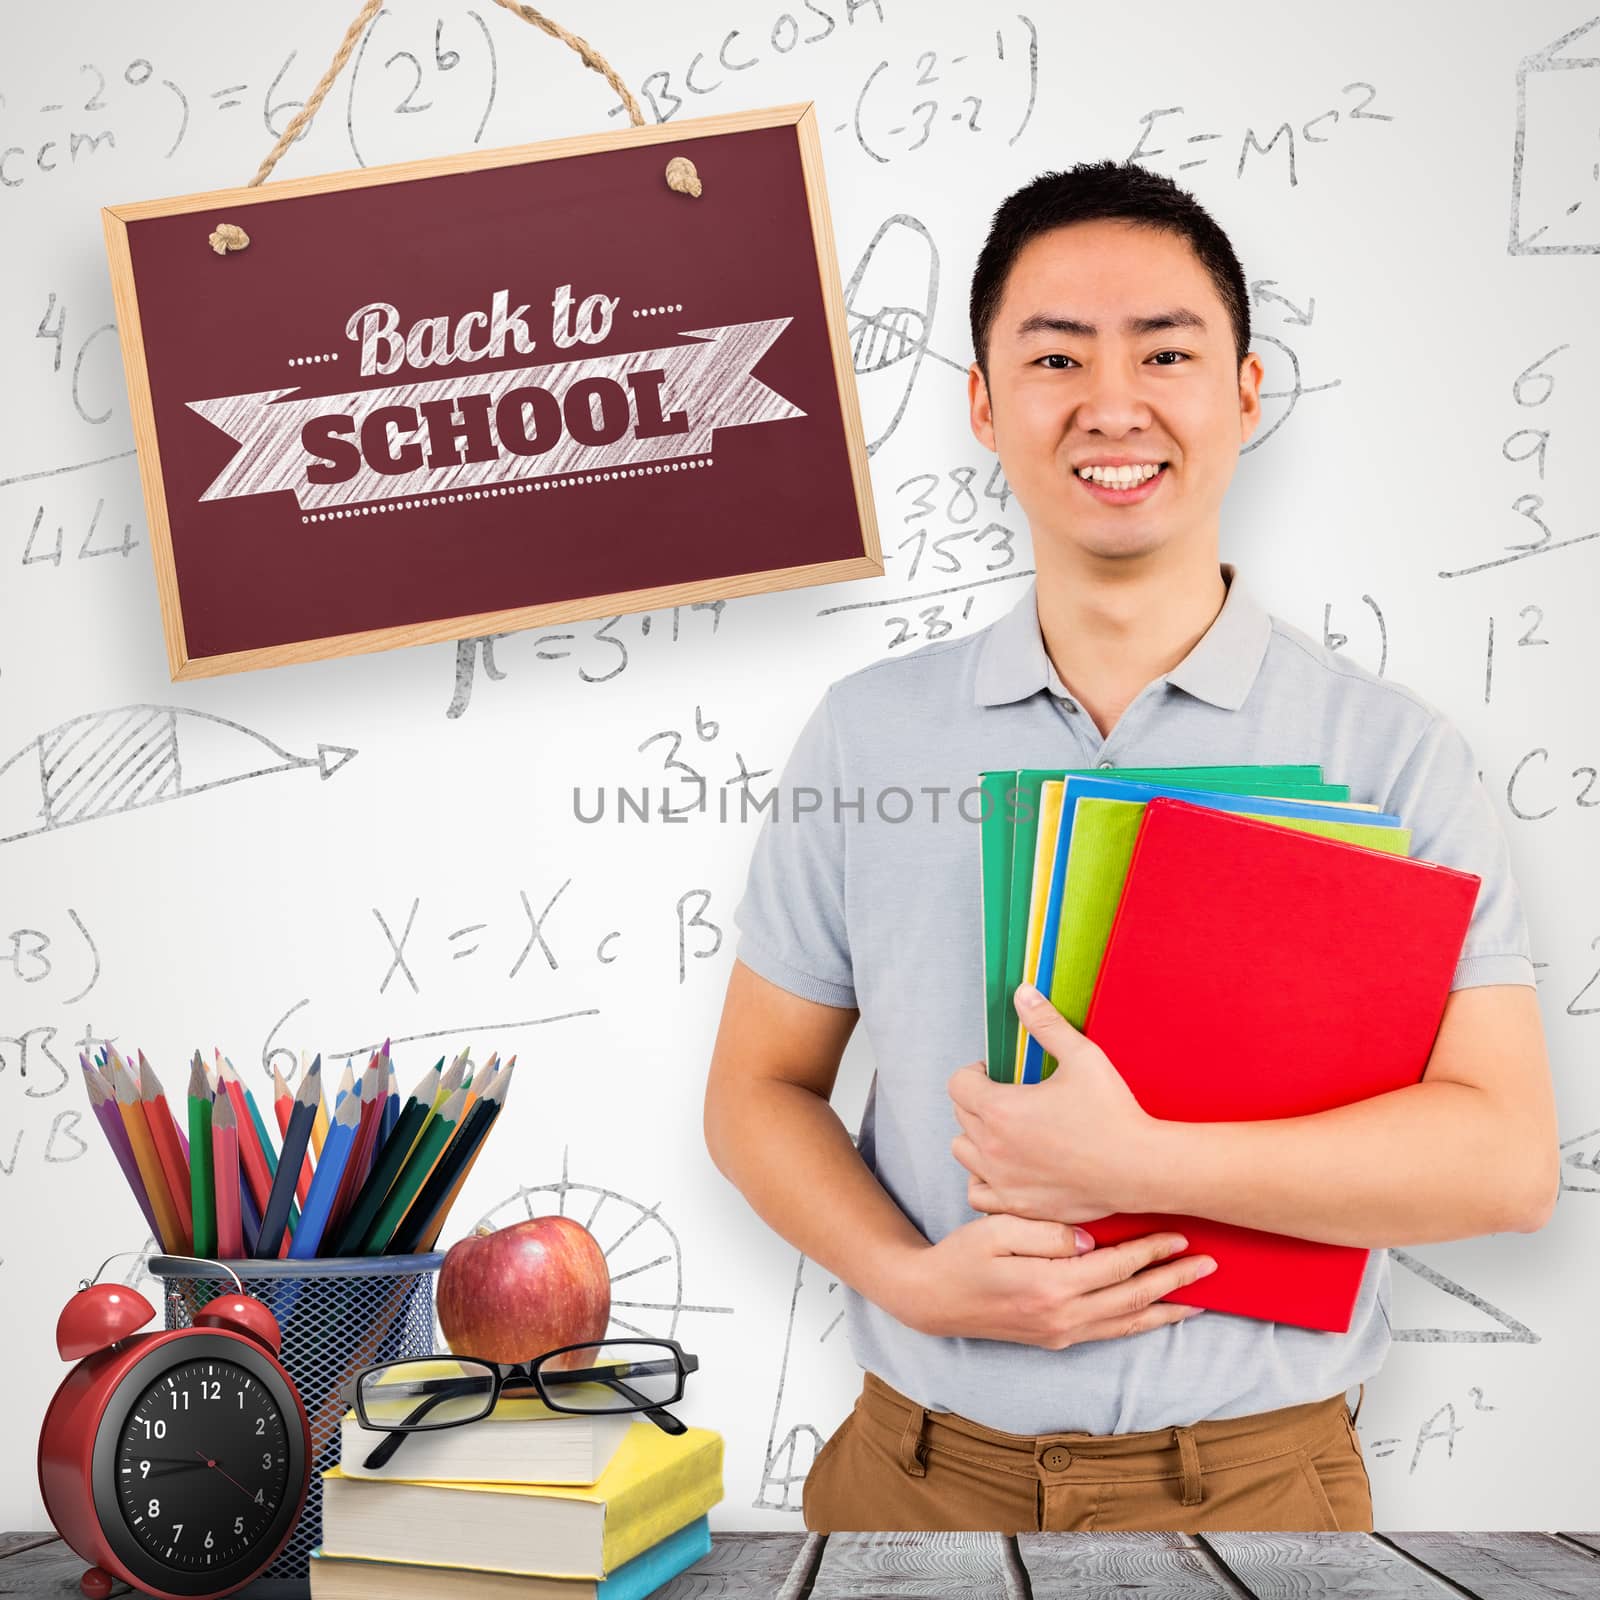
<point x="509" y="1294"/>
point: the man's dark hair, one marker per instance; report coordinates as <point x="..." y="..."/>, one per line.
<point x="1090" y="192"/>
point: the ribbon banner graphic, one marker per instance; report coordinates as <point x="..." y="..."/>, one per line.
<point x="469" y="430"/>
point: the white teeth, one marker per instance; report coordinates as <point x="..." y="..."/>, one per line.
<point x="1119" y="477"/>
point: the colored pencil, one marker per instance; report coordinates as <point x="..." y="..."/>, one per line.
<point x="391" y="1105"/>
<point x="283" y="1104"/>
<point x="476" y="1083"/>
<point x="412" y="1176"/>
<point x="450" y="1081"/>
<point x="252" y="1158"/>
<point x="102" y="1097"/>
<point x="369" y="1094"/>
<point x="385" y="1168"/>
<point x="250" y="1219"/>
<point x="183" y="1143"/>
<point x="431" y="1233"/>
<point x="437" y="1194"/>
<point x="169" y="1229"/>
<point x="325" y="1184"/>
<point x="296" y="1135"/>
<point x="225" y="1166"/>
<point x="164" y="1135"/>
<point x="319" y="1128"/>
<point x="202" y="1183"/>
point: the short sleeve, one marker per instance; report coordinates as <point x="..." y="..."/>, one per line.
<point x="1441" y="798"/>
<point x="792" y="915"/>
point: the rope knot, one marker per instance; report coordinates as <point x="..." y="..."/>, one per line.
<point x="228" y="236"/>
<point x="682" y="176"/>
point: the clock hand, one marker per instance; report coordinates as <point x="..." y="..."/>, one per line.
<point x="210" y="1462"/>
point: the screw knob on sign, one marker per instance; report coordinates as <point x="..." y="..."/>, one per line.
<point x="97" y="1317"/>
<point x="242" y="1313"/>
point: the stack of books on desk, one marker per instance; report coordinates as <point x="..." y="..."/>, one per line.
<point x="528" y="1504"/>
<point x="1244" y="943"/>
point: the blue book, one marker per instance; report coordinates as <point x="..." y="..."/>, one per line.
<point x="354" y="1578"/>
<point x="1127" y="789"/>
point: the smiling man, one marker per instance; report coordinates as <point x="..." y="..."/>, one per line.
<point x="1015" y="1376"/>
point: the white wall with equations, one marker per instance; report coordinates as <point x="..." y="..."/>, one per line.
<point x="394" y="845"/>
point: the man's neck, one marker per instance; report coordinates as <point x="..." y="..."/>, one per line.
<point x="1111" y="632"/>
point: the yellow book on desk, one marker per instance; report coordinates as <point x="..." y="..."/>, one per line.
<point x="655" y="1483"/>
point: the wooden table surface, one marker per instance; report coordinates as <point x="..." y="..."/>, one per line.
<point x="1043" y="1566"/>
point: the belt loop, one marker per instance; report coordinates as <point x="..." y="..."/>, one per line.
<point x="1357" y="1412"/>
<point x="1189" y="1455"/>
<point x="911" y="1447"/>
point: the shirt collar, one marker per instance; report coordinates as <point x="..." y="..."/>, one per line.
<point x="1220" y="669"/>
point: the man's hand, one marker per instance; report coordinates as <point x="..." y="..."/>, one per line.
<point x="1066" y="1150"/>
<point x="1031" y="1283"/>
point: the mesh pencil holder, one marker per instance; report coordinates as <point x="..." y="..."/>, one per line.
<point x="337" y="1316"/>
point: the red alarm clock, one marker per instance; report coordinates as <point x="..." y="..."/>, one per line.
<point x="176" y="1460"/>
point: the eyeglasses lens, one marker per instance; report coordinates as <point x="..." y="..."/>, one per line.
<point x="617" y="1375"/>
<point x="436" y="1393"/>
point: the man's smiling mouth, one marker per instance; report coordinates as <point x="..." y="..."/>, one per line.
<point x="1122" y="485"/>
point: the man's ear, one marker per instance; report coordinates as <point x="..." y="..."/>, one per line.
<point x="979" y="412"/>
<point x="1250" y="375"/>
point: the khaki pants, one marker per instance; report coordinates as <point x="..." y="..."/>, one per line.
<point x="894" y="1466"/>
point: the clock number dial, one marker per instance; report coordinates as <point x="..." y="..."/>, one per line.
<point x="202" y="1465"/>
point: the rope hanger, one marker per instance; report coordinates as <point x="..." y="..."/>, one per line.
<point x="680" y="174"/>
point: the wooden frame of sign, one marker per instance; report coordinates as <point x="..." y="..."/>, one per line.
<point x="298" y="511"/>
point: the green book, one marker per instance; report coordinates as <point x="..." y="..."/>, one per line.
<point x="1098" y="857"/>
<point x="1010" y="829"/>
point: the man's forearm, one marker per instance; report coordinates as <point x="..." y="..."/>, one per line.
<point x="1426" y="1163"/>
<point x="788" y="1153"/>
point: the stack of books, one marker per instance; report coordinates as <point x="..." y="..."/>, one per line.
<point x="1244" y="943"/>
<point x="527" y="1504"/>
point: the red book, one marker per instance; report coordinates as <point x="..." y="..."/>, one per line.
<point x="1256" y="972"/>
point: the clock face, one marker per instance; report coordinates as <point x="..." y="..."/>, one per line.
<point x="202" y="1464"/>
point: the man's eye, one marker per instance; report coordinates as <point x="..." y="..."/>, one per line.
<point x="1052" y="359"/>
<point x="1171" y="353"/>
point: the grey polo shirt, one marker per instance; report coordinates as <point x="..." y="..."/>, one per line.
<point x="873" y="902"/>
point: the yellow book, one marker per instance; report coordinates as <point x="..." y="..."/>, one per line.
<point x="1044" y="854"/>
<point x="654" y="1484"/>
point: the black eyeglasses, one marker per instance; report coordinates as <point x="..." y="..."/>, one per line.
<point x="443" y="1391"/>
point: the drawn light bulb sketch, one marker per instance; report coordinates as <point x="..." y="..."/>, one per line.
<point x="1555" y="164"/>
<point x="641" y="1247"/>
<point x="135" y="756"/>
<point x="889" y="303"/>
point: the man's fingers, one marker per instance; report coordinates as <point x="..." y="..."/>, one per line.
<point x="1045" y="1023"/>
<point x="1031" y="1236"/>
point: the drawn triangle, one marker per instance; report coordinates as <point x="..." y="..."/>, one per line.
<point x="1506" y="1330"/>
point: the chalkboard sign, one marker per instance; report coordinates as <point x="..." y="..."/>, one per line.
<point x="486" y="392"/>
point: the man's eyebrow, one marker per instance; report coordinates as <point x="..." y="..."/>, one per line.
<point x="1042" y="322"/>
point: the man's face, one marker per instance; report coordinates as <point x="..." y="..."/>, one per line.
<point x="1074" y="382"/>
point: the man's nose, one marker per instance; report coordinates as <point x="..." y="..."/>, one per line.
<point x="1113" y="402"/>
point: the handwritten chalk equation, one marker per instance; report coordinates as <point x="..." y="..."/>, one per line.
<point x="743" y="49"/>
<point x="419" y="84"/>
<point x="1440" y="1426"/>
<point x="1155" y="125"/>
<point x="902" y="104"/>
<point x="683" y="920"/>
<point x="1529" y="448"/>
<point x="604" y="648"/>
